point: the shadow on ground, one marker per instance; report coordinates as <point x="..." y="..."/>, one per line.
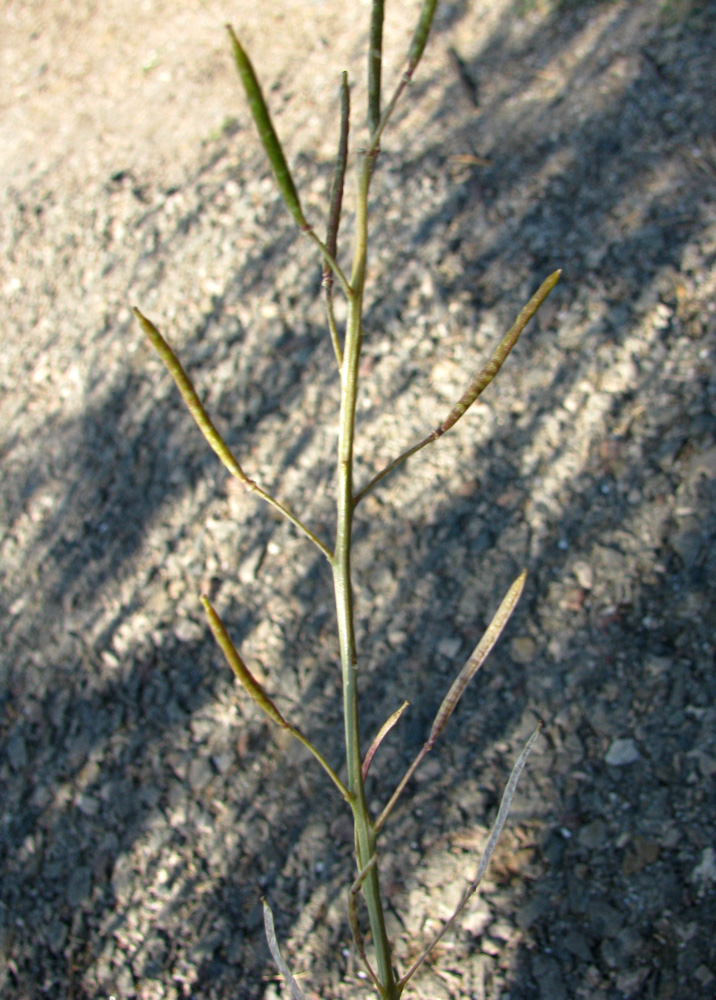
<point x="146" y="807"/>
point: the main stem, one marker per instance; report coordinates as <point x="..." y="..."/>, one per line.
<point x="363" y="824"/>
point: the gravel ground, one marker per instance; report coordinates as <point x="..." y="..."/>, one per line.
<point x="145" y="806"/>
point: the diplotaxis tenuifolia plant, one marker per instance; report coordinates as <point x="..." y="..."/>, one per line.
<point x="350" y="282"/>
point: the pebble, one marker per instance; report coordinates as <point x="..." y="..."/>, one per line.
<point x="17" y="752"/>
<point x="593" y="834"/>
<point x="449" y="648"/>
<point x="522" y="649"/>
<point x="78" y="887"/>
<point x="477" y="919"/>
<point x="704" y="874"/>
<point x="622" y="752"/>
<point x="583" y="573"/>
<point x="548" y="974"/>
<point x="605" y="920"/>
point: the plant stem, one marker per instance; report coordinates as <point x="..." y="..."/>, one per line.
<point x="364" y="831"/>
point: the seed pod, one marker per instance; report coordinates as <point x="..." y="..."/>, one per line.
<point x="266" y="131"/>
<point x="480" y="654"/>
<point x="486" y="374"/>
<point x="420" y="36"/>
<point x="239" y="667"/>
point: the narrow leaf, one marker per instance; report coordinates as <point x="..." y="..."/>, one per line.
<point x="382" y="733"/>
<point x="267" y="133"/>
<point x="190" y="397"/>
<point x="422" y="31"/>
<point x="247" y="679"/>
<point x="375" y="59"/>
<point x="486" y="375"/>
<point x="479" y="655"/>
<point x="276" y="953"/>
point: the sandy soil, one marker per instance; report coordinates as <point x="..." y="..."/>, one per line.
<point x="145" y="806"/>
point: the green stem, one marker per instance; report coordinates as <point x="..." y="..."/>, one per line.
<point x="364" y="831"/>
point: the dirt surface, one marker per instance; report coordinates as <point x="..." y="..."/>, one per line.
<point x="145" y="806"/>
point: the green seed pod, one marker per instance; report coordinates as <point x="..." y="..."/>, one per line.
<point x="266" y="131"/>
<point x="239" y="667"/>
<point x="421" y="33"/>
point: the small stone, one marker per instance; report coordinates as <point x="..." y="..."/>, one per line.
<point x="428" y="772"/>
<point x="248" y="567"/>
<point x="397" y="638"/>
<point x="671" y="837"/>
<point x="548" y="974"/>
<point x="17" y="752"/>
<point x="79" y="886"/>
<point x="204" y="949"/>
<point x="502" y="930"/>
<point x="56" y="935"/>
<point x="605" y="921"/>
<point x="578" y="945"/>
<point x="123" y="878"/>
<point x="87" y="804"/>
<point x="628" y="983"/>
<point x="584" y="574"/>
<point x="704" y="975"/>
<point x="622" y="752"/>
<point x="645" y="852"/>
<point x="449" y="647"/>
<point x="704" y="874"/>
<point x="125" y="982"/>
<point x="629" y="942"/>
<point x="592" y="835"/>
<point x="534" y="909"/>
<point x="522" y="649"/>
<point x="478" y="919"/>
<point x="200" y="774"/>
<point x="224" y="761"/>
<point x="707" y="764"/>
<point x="187" y="630"/>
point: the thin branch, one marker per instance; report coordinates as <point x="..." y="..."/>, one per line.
<point x="330" y="260"/>
<point x="207" y="428"/>
<point x="338" y="181"/>
<point x="354" y="921"/>
<point x="433" y="436"/>
<point x="333" y="328"/>
<point x="422" y="754"/>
